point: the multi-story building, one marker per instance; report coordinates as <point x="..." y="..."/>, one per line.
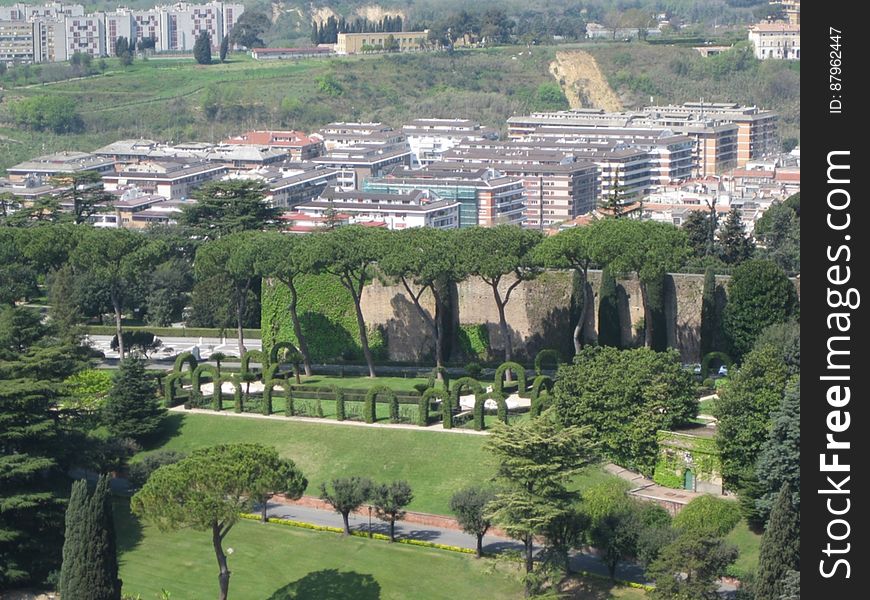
<point x="358" y="163"/>
<point x="776" y="40"/>
<point x="119" y="24"/>
<point x="85" y="34"/>
<point x="296" y="144"/>
<point x="53" y="165"/>
<point x="416" y="208"/>
<point x="431" y="138"/>
<point x="22" y="11"/>
<point x="17" y="42"/>
<point x="558" y="187"/>
<point x="406" y="41"/>
<point x="486" y="196"/>
<point x="171" y="180"/>
<point x="343" y="135"/>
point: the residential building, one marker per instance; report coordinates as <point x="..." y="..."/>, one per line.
<point x="292" y="184"/>
<point x="290" y="53"/>
<point x="406" y="41"/>
<point x="776" y="40"/>
<point x="487" y="197"/>
<point x="429" y="139"/>
<point x="17" y="42"/>
<point x="358" y="163"/>
<point x="52" y="165"/>
<point x="344" y="135"/>
<point x="86" y="35"/>
<point x="416" y="208"/>
<point x="296" y="144"/>
<point x="171" y="180"/>
<point x="23" y="11"/>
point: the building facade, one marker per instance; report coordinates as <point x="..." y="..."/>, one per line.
<point x="776" y="41"/>
<point x="405" y="41"/>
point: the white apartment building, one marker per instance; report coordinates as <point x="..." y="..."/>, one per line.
<point x="429" y="139"/>
<point x="776" y="40"/>
<point x="416" y="208"/>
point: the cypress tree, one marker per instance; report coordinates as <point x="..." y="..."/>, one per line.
<point x="735" y="247"/>
<point x="780" y="547"/>
<point x="655" y="297"/>
<point x="90" y="561"/>
<point x="225" y="47"/>
<point x="202" y="48"/>
<point x="709" y="324"/>
<point x="132" y="407"/>
<point x="609" y="329"/>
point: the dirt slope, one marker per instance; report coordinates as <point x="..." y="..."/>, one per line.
<point x="583" y="82"/>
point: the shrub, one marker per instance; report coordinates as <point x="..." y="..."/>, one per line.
<point x="474" y="370"/>
<point x="141" y="470"/>
<point x="340" y="414"/>
<point x="546" y="354"/>
<point x="47" y="113"/>
<point x="709" y="514"/>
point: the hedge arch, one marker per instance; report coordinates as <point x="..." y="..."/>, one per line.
<point x="545" y="354"/>
<point x="196" y="376"/>
<point x="288" y="400"/>
<point x="480" y="397"/>
<point x="340" y="413"/>
<point x="268" y="391"/>
<point x="710" y="357"/>
<point x="184" y="357"/>
<point x="256" y="355"/>
<point x="433" y="378"/>
<point x="170" y="398"/>
<point x="498" y="384"/>
<point x="273" y="353"/>
<point x="370" y="407"/>
<point x="217" y="398"/>
<point x="423" y="405"/>
<point x="540" y="384"/>
<point x="237" y="392"/>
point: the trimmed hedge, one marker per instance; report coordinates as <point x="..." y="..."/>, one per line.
<point x="170" y="397"/>
<point x="288" y="400"/>
<point x="540" y="384"/>
<point x="369" y="411"/>
<point x="237" y="393"/>
<point x="257" y="356"/>
<point x="273" y="352"/>
<point x="340" y="414"/>
<point x="547" y="353"/>
<point x="498" y="384"/>
<point x="184" y="357"/>
<point x="479" y="399"/>
<point x="423" y="406"/>
<point x="710" y="357"/>
<point x="170" y="331"/>
<point x="434" y="375"/>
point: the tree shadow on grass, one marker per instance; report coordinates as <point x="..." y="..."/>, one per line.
<point x="128" y="530"/>
<point x="332" y="585"/>
<point x="170" y="428"/>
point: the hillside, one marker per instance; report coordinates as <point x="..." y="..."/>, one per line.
<point x="179" y="100"/>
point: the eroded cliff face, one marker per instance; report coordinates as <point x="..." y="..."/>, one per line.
<point x="583" y="82"/>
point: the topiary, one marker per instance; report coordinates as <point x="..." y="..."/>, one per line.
<point x="498" y="384"/>
<point x="268" y="390"/>
<point x="181" y="359"/>
<point x="288" y="400"/>
<point x="217" y="397"/>
<point x="369" y="409"/>
<point x="339" y="403"/>
<point x="276" y="348"/>
<point x="256" y="355"/>
<point x="539" y="385"/>
<point x="479" y="398"/>
<point x="170" y="399"/>
<point x="423" y="406"/>
<point x="236" y="380"/>
<point x="445" y="376"/>
<point x="196" y="376"/>
<point x="547" y="353"/>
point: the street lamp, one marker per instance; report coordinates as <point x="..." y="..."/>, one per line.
<point x="370" y="522"/>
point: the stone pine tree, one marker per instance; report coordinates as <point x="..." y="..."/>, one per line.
<point x="734" y="245"/>
<point x="609" y="328"/>
<point x="90" y="561"/>
<point x="202" y="48"/>
<point x="780" y="547"/>
<point x="132" y="408"/>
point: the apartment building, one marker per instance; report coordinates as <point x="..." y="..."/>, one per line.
<point x="22" y="11"/>
<point x="171" y="180"/>
<point x="416" y="208"/>
<point x="358" y="163"/>
<point x="293" y="183"/>
<point x="776" y="41"/>
<point x="17" y="42"/>
<point x="84" y="34"/>
<point x="296" y="144"/>
<point x="429" y="139"/>
<point x="347" y="134"/>
<point x="51" y="165"/>
<point x="407" y="41"/>
<point x="486" y="196"/>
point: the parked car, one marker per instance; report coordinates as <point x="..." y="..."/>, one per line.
<point x="723" y="371"/>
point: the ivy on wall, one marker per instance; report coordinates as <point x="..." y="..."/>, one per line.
<point x="671" y="464"/>
<point x="474" y="341"/>
<point x="327" y="316"/>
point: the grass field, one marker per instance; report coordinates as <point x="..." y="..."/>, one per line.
<point x="282" y="563"/>
<point x="749" y="544"/>
<point x="435" y="464"/>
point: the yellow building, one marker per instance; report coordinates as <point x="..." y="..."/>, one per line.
<point x="354" y="43"/>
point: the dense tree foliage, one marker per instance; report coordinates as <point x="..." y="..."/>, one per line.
<point x="56" y="114"/>
<point x="202" y="48"/>
<point x="779" y="461"/>
<point x="625" y="396"/>
<point x="734" y="244"/>
<point x="780" y="547"/>
<point x="132" y="409"/>
<point x="225" y="207"/>
<point x="345" y="495"/>
<point x="389" y="501"/>
<point x="690" y="567"/>
<point x="779" y="234"/>
<point x="470" y="507"/>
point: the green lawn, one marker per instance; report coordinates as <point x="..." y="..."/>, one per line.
<point x="596" y="589"/>
<point x="749" y="545"/>
<point x="281" y="563"/>
<point x="397" y="384"/>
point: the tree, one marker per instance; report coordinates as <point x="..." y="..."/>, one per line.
<point x="535" y="461"/>
<point x="780" y="547"/>
<point x="650" y="250"/>
<point x="425" y="259"/>
<point x="779" y="234"/>
<point x="493" y="254"/>
<point x="470" y="507"/>
<point x="84" y="190"/>
<point x="350" y="253"/>
<point x="224" y="207"/>
<point x="609" y="323"/>
<point x="90" y="559"/>
<point x="225" y="47"/>
<point x="249" y="29"/>
<point x="233" y="259"/>
<point x="779" y="462"/>
<point x="132" y="408"/>
<point x="389" y="499"/>
<point x="286" y="258"/>
<point x="570" y="249"/>
<point x="625" y="397"/>
<point x="785" y="338"/>
<point x="209" y="489"/>
<point x="54" y="113"/>
<point x="615" y="536"/>
<point x="168" y="291"/>
<point x="564" y="532"/>
<point x="759" y="294"/>
<point x="17" y="278"/>
<point x="744" y="411"/>
<point x="30" y="453"/>
<point x="689" y="567"/>
<point x="699" y="227"/>
<point x="202" y="48"/>
<point x="20" y="328"/>
<point x="347" y="495"/>
<point x="734" y="245"/>
<point x="119" y="260"/>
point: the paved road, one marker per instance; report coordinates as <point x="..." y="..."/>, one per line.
<point x="451" y="537"/>
<point x="172" y="346"/>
